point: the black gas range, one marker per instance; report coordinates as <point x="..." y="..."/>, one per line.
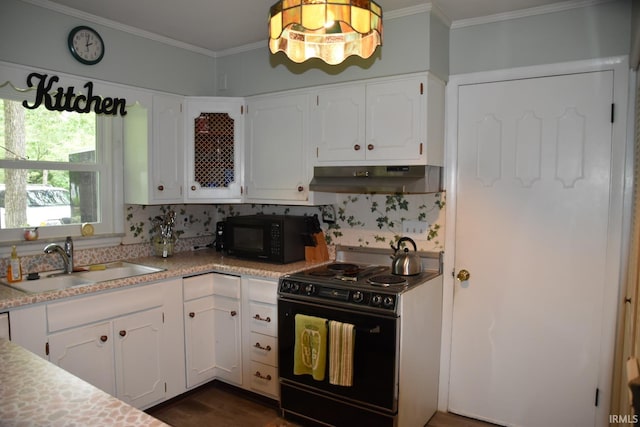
<point x="394" y="320"/>
<point x="357" y="280"/>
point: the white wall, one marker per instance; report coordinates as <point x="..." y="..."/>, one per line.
<point x="408" y="46"/>
<point x="35" y="36"/>
<point x="597" y="31"/>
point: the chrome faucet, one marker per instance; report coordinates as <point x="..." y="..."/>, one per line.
<point x="66" y="253"/>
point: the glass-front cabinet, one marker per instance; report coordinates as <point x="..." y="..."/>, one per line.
<point x="214" y="135"/>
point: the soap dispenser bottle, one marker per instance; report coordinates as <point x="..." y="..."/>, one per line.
<point x="14" y="270"/>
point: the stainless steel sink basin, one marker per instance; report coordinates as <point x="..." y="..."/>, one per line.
<point x="115" y="270"/>
<point x="50" y="283"/>
<point x="94" y="274"/>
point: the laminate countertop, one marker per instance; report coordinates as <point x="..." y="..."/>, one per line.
<point x="179" y="265"/>
<point x="35" y="392"/>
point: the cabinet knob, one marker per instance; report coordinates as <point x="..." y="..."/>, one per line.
<point x="356" y="147"/>
<point x="193" y="188"/>
<point x="259" y="347"/>
<point x="300" y="188"/>
<point x="192" y="314"/>
<point x="233" y="313"/>
<point x="104" y="338"/>
<point x="263" y="319"/>
<point x="123" y="333"/>
<point x="160" y="187"/>
<point x="259" y="375"/>
<point x="370" y="147"/>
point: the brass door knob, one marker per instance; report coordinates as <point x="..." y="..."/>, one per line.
<point x="463" y="275"/>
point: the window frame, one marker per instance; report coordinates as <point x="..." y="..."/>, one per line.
<point x="109" y="166"/>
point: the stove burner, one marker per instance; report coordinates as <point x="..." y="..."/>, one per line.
<point x="345" y="268"/>
<point x="387" y="280"/>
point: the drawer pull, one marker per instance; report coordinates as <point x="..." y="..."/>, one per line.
<point x="104" y="338"/>
<point x="192" y="314"/>
<point x="233" y="313"/>
<point x="263" y="319"/>
<point x="123" y="333"/>
<point x="259" y="375"/>
<point x="160" y="187"/>
<point x="370" y="147"/>
<point x="258" y="346"/>
<point x="356" y="147"/>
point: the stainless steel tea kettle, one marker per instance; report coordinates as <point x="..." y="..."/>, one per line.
<point x="406" y="263"/>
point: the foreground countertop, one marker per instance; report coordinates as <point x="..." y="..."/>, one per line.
<point x="35" y="392"/>
<point x="178" y="265"/>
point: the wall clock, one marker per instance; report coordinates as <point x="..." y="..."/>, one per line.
<point x="86" y="45"/>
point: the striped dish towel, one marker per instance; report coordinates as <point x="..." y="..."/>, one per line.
<point x="342" y="337"/>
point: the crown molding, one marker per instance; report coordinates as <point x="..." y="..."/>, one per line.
<point x="533" y="11"/>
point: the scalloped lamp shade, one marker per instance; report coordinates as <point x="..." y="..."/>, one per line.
<point x="331" y="30"/>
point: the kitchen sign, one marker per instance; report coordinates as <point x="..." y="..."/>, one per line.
<point x="70" y="101"/>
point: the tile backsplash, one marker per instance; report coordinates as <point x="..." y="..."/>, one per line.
<point x="356" y="219"/>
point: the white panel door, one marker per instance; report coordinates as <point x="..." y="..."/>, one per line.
<point x="276" y="147"/>
<point x="200" y="340"/>
<point x="531" y="229"/>
<point x="86" y="352"/>
<point x="140" y="377"/>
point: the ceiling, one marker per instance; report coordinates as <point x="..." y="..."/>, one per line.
<point x="218" y="25"/>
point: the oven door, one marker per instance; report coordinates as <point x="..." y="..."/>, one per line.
<point x="374" y="363"/>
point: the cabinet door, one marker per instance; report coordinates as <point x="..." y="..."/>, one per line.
<point x="167" y="149"/>
<point x="215" y="139"/>
<point x="338" y="124"/>
<point x="199" y="340"/>
<point x="396" y="121"/>
<point x="138" y="349"/>
<point x="86" y="352"/>
<point x="276" y="150"/>
<point x="227" y="347"/>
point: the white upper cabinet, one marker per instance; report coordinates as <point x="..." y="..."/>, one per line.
<point x="277" y="150"/>
<point x="153" y="151"/>
<point x="388" y="121"/>
<point x="215" y="140"/>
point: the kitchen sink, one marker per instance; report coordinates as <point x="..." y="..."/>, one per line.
<point x="50" y="283"/>
<point x="115" y="270"/>
<point x="93" y="274"/>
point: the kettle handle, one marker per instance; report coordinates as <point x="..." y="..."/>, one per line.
<point x="406" y="239"/>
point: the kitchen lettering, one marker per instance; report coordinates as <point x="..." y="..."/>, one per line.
<point x="69" y="101"/>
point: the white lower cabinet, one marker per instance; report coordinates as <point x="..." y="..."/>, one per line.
<point x="123" y="342"/>
<point x="261" y="336"/>
<point x="87" y="352"/>
<point x="212" y="326"/>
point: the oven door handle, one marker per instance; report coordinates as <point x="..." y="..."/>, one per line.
<point x="374" y="330"/>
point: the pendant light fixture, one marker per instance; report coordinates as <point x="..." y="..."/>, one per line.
<point x="331" y="30"/>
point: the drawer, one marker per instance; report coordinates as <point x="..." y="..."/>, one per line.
<point x="264" y="349"/>
<point x="264" y="379"/>
<point x="211" y="284"/>
<point x="263" y="318"/>
<point x="263" y="291"/>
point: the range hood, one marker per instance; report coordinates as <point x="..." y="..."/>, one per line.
<point x="377" y="179"/>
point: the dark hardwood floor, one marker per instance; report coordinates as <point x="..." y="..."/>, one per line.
<point x="220" y="405"/>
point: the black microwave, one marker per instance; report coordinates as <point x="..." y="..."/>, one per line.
<point x="270" y="238"/>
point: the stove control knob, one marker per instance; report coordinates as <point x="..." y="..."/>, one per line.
<point x="376" y="300"/>
<point x="310" y="289"/>
<point x="286" y="286"/>
<point x="388" y="302"/>
<point x="295" y="287"/>
<point x="358" y="297"/>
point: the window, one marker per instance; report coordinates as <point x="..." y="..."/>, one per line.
<point x="55" y="169"/>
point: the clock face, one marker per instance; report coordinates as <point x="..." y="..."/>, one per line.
<point x="86" y="45"/>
